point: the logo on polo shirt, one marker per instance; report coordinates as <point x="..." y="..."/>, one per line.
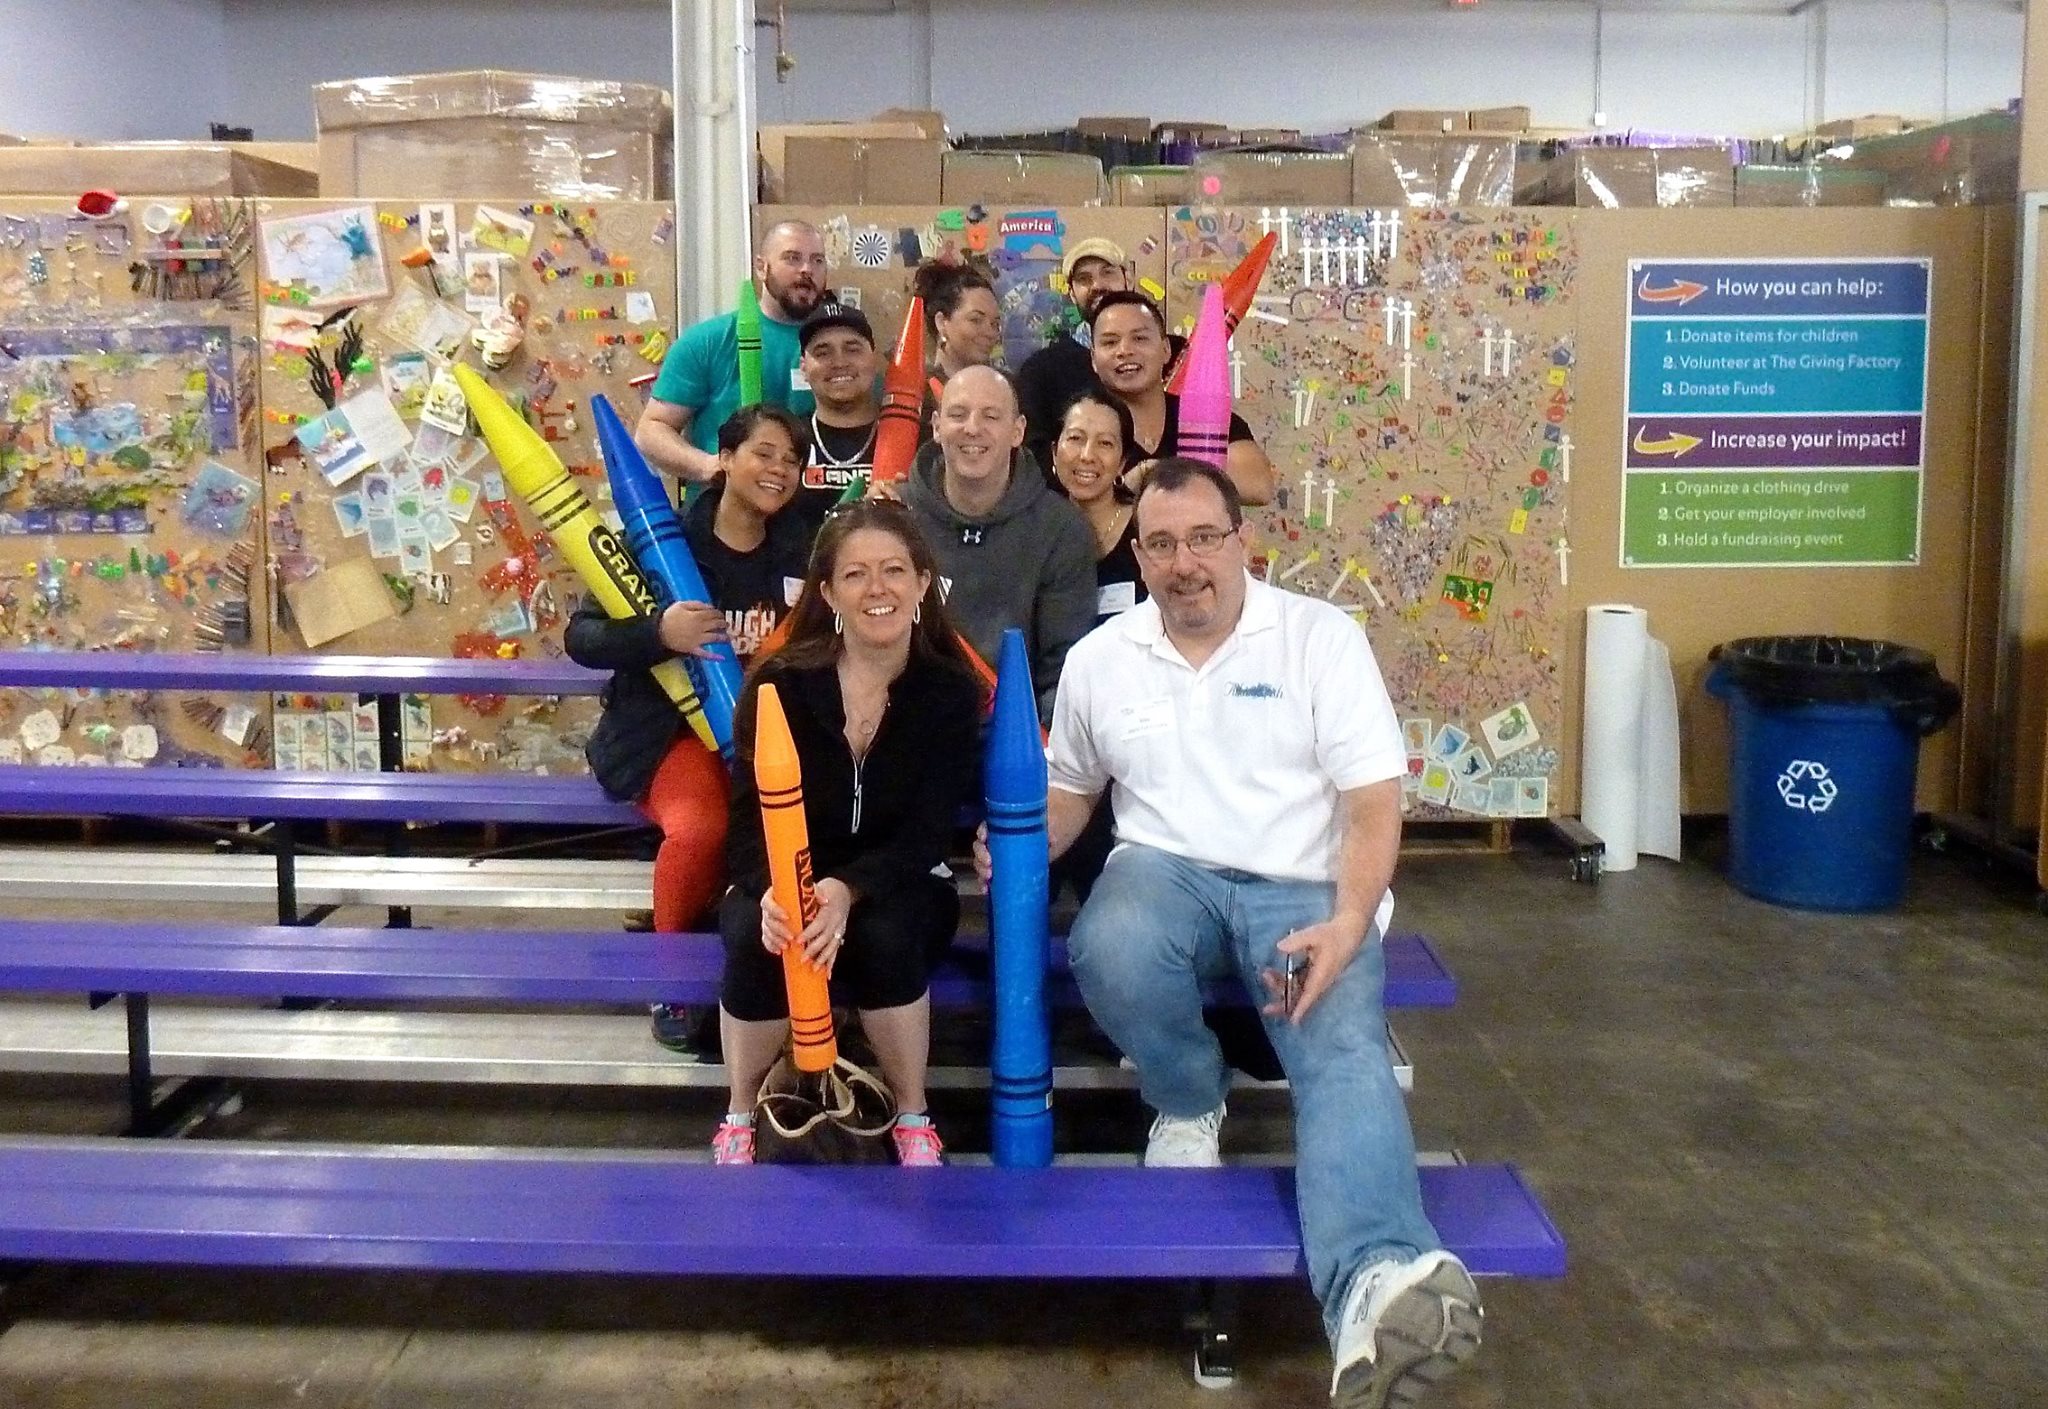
<point x="1260" y="691"/>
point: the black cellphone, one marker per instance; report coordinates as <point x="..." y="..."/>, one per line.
<point x="1290" y="990"/>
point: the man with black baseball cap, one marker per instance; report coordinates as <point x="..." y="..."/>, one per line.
<point x="839" y="359"/>
<point x="1056" y="373"/>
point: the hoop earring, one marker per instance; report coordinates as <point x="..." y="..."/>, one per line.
<point x="838" y="624"/>
<point x="917" y="614"/>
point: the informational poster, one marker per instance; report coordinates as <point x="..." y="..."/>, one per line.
<point x="1775" y="412"/>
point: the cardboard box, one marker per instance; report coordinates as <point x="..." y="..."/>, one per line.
<point x="147" y="168"/>
<point x="1119" y="129"/>
<point x="1200" y="133"/>
<point x="304" y="155"/>
<point x="485" y="134"/>
<point x="1269" y="136"/>
<point x="1011" y="179"/>
<point x="772" y="141"/>
<point x="1633" y="178"/>
<point x="861" y="171"/>
<point x="1972" y="161"/>
<point x="1427" y="120"/>
<point x="1425" y="171"/>
<point x="1151" y="186"/>
<point x="928" y="121"/>
<point x="1807" y="185"/>
<point x="1515" y="119"/>
<point x="1868" y="125"/>
<point x="1272" y="178"/>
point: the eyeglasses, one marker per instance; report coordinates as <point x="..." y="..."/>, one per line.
<point x="1203" y="543"/>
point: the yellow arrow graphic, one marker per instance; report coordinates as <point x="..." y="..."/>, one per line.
<point x="1674" y="444"/>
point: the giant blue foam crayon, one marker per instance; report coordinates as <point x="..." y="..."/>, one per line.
<point x="1020" y="1064"/>
<point x="655" y="535"/>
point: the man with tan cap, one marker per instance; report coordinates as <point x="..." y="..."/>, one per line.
<point x="1057" y="372"/>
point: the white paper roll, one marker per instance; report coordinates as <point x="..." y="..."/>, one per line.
<point x="1610" y="794"/>
<point x="1657" y="758"/>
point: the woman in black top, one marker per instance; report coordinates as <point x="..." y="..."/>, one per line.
<point x="885" y="714"/>
<point x="752" y="556"/>
<point x="1131" y="353"/>
<point x="963" y="324"/>
<point x="1089" y="454"/>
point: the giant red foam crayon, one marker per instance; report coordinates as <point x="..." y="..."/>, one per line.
<point x="1205" y="399"/>
<point x="902" y="401"/>
<point x="1240" y="288"/>
<point x="607" y="568"/>
<point x="779" y="782"/>
<point x="1020" y="1056"/>
<point x="655" y="535"/>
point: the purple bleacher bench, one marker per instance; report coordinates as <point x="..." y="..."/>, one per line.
<point x="314" y="675"/>
<point x="527" y="966"/>
<point x="262" y="794"/>
<point x="446" y="1210"/>
<point x="139" y="961"/>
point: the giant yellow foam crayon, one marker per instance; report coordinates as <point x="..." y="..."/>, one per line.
<point x="600" y="558"/>
<point x="779" y="781"/>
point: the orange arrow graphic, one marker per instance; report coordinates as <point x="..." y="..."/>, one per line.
<point x="1675" y="444"/>
<point x="1680" y="291"/>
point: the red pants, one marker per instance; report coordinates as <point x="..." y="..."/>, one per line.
<point x="687" y="800"/>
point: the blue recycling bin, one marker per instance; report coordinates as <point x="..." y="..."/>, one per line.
<point x="1825" y="742"/>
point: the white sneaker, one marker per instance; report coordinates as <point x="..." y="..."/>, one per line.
<point x="1406" y="1325"/>
<point x="1177" y="1142"/>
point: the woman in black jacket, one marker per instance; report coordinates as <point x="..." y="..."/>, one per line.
<point x="885" y="713"/>
<point x="752" y="556"/>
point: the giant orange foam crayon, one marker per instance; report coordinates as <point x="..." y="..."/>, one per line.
<point x="1205" y="405"/>
<point x="779" y="781"/>
<point x="608" y="571"/>
<point x="1240" y="288"/>
<point x="902" y="401"/>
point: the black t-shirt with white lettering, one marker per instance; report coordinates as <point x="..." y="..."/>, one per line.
<point x="839" y="454"/>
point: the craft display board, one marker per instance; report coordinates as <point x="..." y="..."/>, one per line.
<point x="871" y="252"/>
<point x="130" y="485"/>
<point x="1926" y="603"/>
<point x="1412" y="377"/>
<point x="391" y="530"/>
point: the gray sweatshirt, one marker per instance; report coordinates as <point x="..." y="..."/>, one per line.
<point x="1029" y="562"/>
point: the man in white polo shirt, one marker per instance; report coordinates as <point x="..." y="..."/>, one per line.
<point x="1254" y="763"/>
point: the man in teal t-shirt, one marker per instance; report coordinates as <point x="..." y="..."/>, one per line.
<point x="699" y="385"/>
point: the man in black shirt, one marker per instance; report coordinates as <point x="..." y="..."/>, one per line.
<point x="1056" y="373"/>
<point x="839" y="360"/>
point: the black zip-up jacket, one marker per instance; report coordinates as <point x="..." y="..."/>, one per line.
<point x="888" y="820"/>
<point x="640" y="721"/>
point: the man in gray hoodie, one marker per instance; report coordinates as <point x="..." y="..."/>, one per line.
<point x="1011" y="551"/>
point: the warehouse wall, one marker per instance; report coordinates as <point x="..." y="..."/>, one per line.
<point x="164" y="69"/>
<point x="152" y="68"/>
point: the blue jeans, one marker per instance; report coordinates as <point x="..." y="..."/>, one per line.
<point x="1155" y="926"/>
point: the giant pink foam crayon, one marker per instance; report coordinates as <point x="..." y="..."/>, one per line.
<point x="1205" y="399"/>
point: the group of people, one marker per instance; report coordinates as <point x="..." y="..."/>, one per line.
<point x="1224" y="760"/>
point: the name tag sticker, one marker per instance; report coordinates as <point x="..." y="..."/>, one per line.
<point x="797" y="380"/>
<point x="1138" y="721"/>
<point x="792" y="588"/>
<point x="1115" y="597"/>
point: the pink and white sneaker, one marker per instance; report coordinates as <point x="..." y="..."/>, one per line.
<point x="918" y="1145"/>
<point x="733" y="1143"/>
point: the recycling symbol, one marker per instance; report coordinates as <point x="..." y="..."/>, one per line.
<point x="1805" y="785"/>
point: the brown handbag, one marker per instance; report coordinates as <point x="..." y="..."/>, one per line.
<point x="840" y="1116"/>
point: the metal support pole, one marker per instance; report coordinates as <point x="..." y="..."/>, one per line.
<point x="141" y="1085"/>
<point x="2005" y="723"/>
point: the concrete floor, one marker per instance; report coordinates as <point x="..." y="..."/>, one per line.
<point x="1801" y="1161"/>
